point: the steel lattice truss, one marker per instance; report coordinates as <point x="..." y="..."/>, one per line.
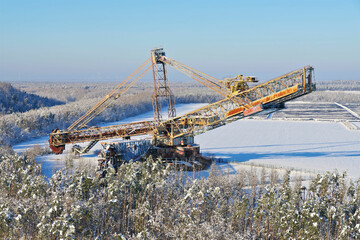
<point x="161" y="87"/>
<point x="278" y="90"/>
<point x="129" y="150"/>
<point x="102" y="133"/>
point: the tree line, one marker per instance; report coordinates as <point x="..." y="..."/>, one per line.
<point x="13" y="100"/>
<point x="149" y="200"/>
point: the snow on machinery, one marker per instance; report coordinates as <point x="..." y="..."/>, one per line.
<point x="114" y="154"/>
<point x="177" y="132"/>
<point x="238" y="83"/>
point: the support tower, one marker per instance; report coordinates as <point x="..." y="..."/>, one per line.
<point x="161" y="87"/>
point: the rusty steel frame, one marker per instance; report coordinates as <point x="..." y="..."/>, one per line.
<point x="101" y="133"/>
<point x="161" y="88"/>
<point x="198" y="76"/>
<point x="280" y="89"/>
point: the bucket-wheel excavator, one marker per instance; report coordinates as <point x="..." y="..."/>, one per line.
<point x="173" y="138"/>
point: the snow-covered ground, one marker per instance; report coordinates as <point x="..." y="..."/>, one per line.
<point x="310" y="146"/>
<point x="313" y="146"/>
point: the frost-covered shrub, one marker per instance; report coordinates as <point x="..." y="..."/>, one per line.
<point x="148" y="200"/>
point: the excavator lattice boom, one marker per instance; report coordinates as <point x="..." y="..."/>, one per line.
<point x="177" y="132"/>
<point x="259" y="98"/>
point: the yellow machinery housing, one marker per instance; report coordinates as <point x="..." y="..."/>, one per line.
<point x="238" y="83"/>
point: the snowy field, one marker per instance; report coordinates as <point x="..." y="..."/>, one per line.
<point x="317" y="143"/>
<point x="309" y="146"/>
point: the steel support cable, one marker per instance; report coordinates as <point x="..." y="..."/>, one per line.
<point x="203" y="79"/>
<point x="201" y="73"/>
<point x="108" y="95"/>
<point x="197" y="73"/>
<point x="106" y="98"/>
<point x="102" y="101"/>
<point x="89" y="115"/>
<point x="130" y="76"/>
<point x="199" y="79"/>
<point x="99" y="110"/>
<point x="111" y="100"/>
<point x="103" y="107"/>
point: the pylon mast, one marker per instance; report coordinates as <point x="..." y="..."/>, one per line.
<point x="161" y="87"/>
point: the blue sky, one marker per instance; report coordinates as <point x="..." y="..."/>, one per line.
<point x="79" y="40"/>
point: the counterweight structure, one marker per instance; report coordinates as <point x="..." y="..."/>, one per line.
<point x="174" y="137"/>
